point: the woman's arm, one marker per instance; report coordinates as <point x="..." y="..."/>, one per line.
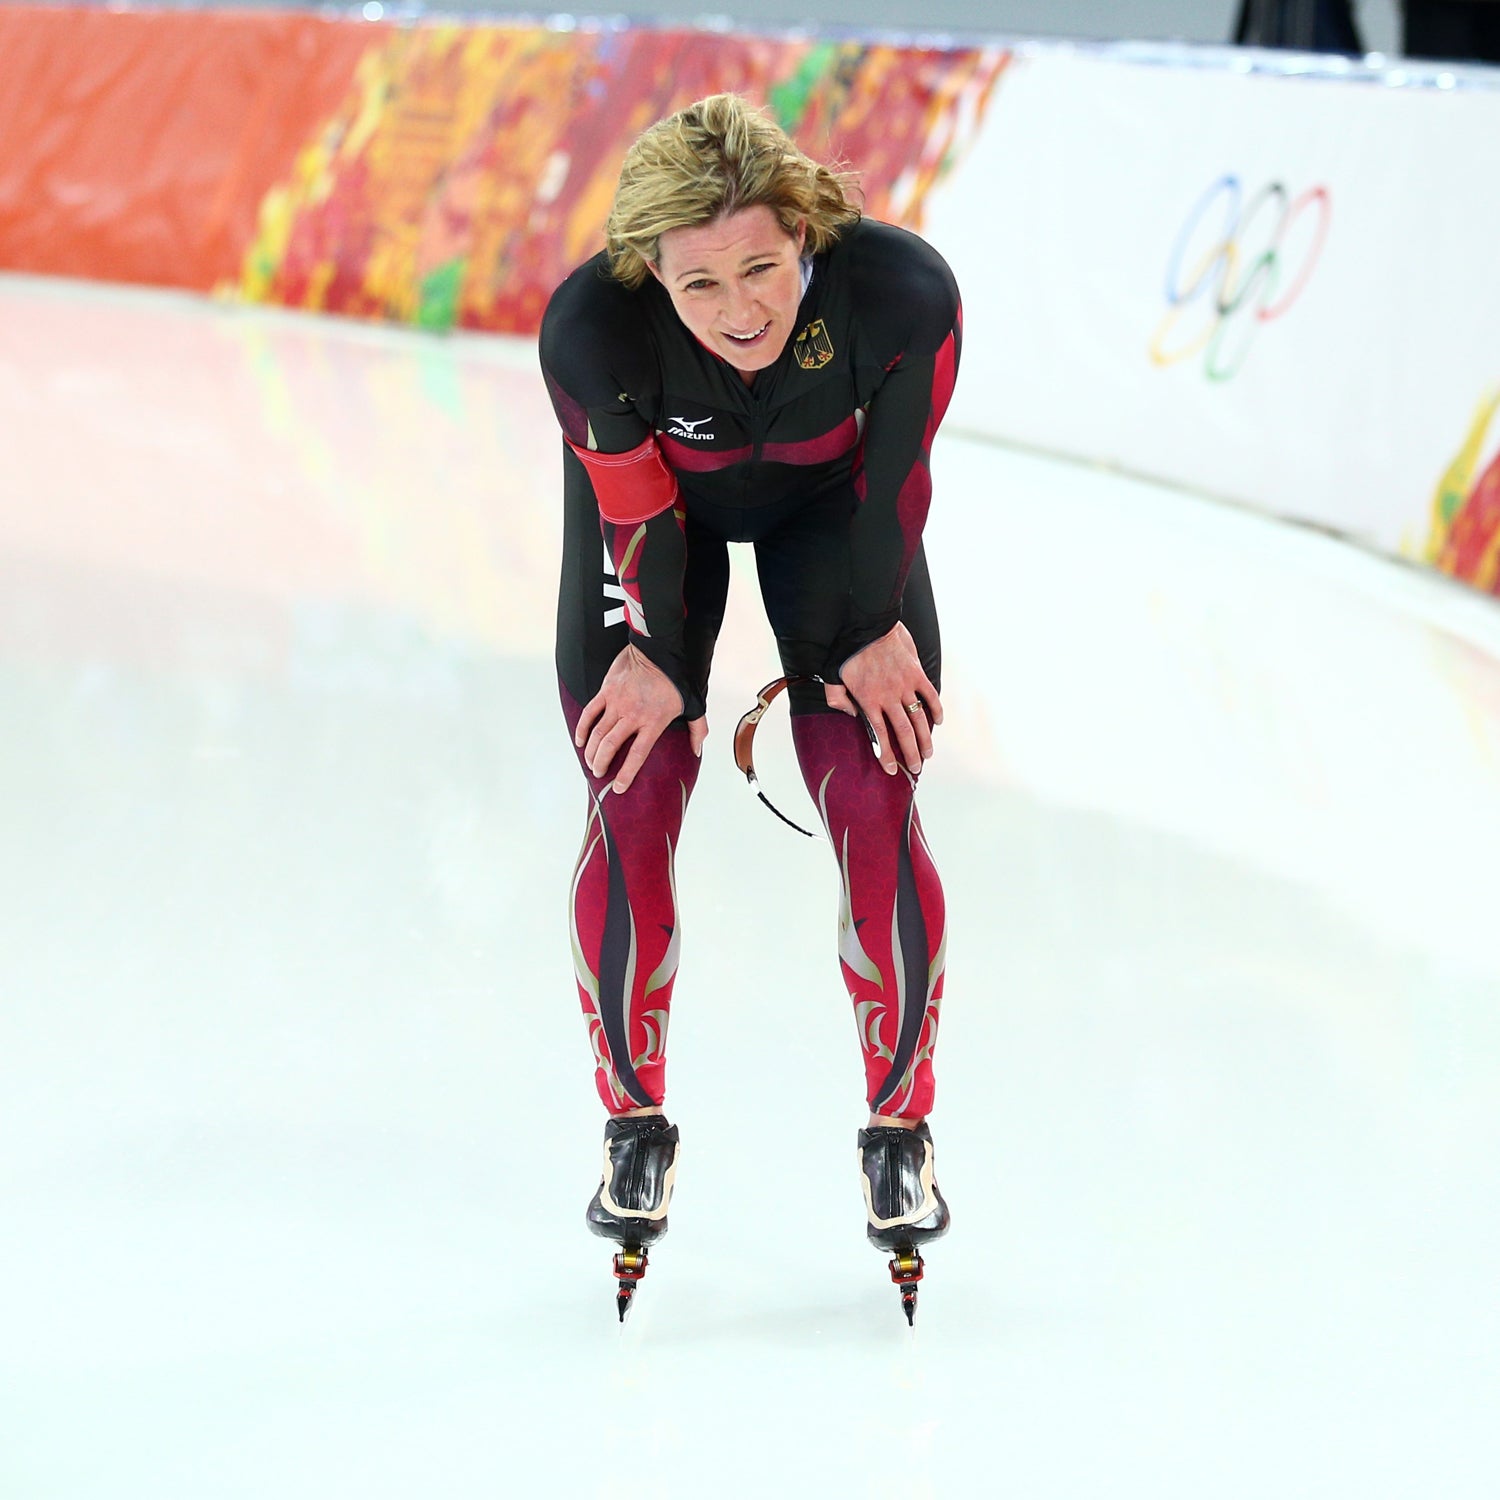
<point x="594" y="358"/>
<point x="911" y="322"/>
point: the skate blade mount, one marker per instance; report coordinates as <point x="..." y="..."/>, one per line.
<point x="906" y="1272"/>
<point x="630" y="1266"/>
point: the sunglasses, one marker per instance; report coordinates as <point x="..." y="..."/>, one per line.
<point x="744" y="740"/>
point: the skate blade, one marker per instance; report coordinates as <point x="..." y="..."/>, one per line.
<point x="906" y="1272"/>
<point x="629" y="1267"/>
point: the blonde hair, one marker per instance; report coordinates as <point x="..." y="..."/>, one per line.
<point x="716" y="157"/>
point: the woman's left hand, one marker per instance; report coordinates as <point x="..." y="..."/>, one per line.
<point x="886" y="680"/>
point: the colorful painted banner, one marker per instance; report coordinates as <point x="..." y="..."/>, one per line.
<point x="1464" y="540"/>
<point x="470" y="168"/>
<point x="437" y="174"/>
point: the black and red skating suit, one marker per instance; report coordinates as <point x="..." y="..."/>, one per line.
<point x="822" y="464"/>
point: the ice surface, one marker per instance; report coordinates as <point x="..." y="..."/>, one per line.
<point x="296" y="1117"/>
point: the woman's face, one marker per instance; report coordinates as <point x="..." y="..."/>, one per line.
<point x="736" y="283"/>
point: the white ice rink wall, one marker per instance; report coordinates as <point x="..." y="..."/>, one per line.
<point x="1267" y="280"/>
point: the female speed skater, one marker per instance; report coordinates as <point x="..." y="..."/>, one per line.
<point x="751" y="360"/>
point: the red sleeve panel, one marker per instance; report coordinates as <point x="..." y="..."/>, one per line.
<point x="629" y="487"/>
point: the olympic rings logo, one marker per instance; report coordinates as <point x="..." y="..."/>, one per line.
<point x="1250" y="260"/>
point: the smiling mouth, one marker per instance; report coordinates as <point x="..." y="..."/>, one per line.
<point x="748" y="338"/>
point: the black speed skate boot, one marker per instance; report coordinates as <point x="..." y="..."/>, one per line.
<point x="902" y="1202"/>
<point x="630" y="1207"/>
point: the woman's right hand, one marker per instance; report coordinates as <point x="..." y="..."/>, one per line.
<point x="886" y="681"/>
<point x="636" y="702"/>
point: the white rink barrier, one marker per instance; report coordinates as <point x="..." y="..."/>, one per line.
<point x="1267" y="278"/>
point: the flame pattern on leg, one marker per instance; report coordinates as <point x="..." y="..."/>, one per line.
<point x="893" y="936"/>
<point x="624" y="923"/>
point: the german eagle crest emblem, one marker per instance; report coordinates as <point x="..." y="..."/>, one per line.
<point x="813" y="347"/>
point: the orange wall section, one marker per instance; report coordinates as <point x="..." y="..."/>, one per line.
<point x="142" y="143"/>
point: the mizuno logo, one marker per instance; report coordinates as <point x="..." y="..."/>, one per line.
<point x="680" y="427"/>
